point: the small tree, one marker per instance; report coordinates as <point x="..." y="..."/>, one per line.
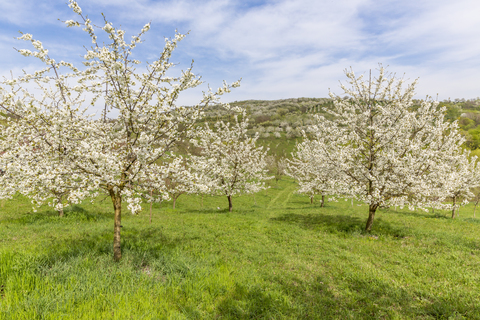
<point x="455" y="180"/>
<point x="476" y="192"/>
<point x="276" y="167"/>
<point x="117" y="152"/>
<point x="181" y="179"/>
<point x="384" y="146"/>
<point x="231" y="162"/>
<point x="35" y="164"/>
<point x="45" y="181"/>
<point x="311" y="170"/>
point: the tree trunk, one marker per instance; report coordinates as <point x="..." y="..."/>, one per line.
<point x="453" y="207"/>
<point x="174" y="202"/>
<point x="117" y="206"/>
<point x="311" y="199"/>
<point x="475" y="208"/>
<point x="60" y="212"/>
<point x="371" y="216"/>
<point x="151" y="203"/>
<point x="230" y="207"/>
<point x="323" y="201"/>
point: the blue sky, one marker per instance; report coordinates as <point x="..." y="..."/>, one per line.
<point x="280" y="48"/>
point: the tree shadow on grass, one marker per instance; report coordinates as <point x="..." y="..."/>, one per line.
<point x="218" y="211"/>
<point x="252" y="303"/>
<point x="409" y="213"/>
<point x="362" y="297"/>
<point x="340" y="224"/>
<point x="74" y="213"/>
<point x="439" y="214"/>
<point x="471" y="220"/>
<point x="358" y="296"/>
<point x="78" y="213"/>
<point x="331" y="223"/>
<point x="31" y="218"/>
<point x="140" y="246"/>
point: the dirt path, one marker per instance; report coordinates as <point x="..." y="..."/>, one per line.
<point x="287" y="192"/>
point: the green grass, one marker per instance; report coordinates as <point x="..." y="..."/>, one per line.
<point x="279" y="147"/>
<point x="280" y="259"/>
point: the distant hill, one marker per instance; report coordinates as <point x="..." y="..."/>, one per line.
<point x="277" y="120"/>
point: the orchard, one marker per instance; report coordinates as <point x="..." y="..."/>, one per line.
<point x="376" y="148"/>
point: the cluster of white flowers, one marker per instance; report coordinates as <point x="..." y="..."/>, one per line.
<point x="75" y="7"/>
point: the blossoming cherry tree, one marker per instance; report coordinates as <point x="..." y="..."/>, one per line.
<point x="384" y="145"/>
<point x="231" y="162"/>
<point x="118" y="151"/>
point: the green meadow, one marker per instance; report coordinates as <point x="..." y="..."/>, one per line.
<point x="275" y="256"/>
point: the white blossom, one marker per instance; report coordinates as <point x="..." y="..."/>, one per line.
<point x="75" y="7"/>
<point x="146" y="28"/>
<point x="72" y="23"/>
<point x="455" y="179"/>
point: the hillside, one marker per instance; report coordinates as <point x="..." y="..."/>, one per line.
<point x="280" y="122"/>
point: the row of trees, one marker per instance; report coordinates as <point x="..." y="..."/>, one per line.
<point x="52" y="148"/>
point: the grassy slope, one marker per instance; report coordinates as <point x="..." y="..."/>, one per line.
<point x="281" y="258"/>
<point x="279" y="147"/>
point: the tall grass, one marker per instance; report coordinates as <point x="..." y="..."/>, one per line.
<point x="279" y="259"/>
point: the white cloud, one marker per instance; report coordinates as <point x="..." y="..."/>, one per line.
<point x="291" y="48"/>
<point x="29" y="12"/>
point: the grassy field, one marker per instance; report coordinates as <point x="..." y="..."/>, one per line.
<point x="280" y="258"/>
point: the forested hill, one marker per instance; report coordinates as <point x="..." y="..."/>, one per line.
<point x="287" y="117"/>
<point x="270" y="116"/>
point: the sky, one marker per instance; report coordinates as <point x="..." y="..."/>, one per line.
<point x="279" y="48"/>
